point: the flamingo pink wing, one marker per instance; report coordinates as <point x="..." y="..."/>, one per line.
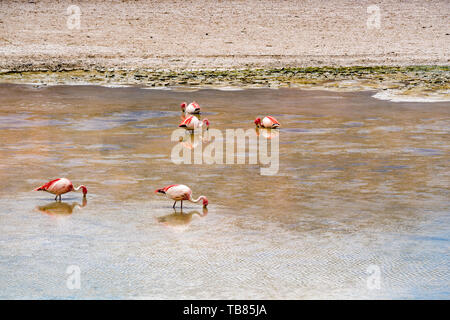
<point x="273" y="120"/>
<point x="168" y="187"/>
<point x="47" y="185"/>
<point x="186" y="121"/>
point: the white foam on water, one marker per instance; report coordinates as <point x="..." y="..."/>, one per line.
<point x="114" y="85"/>
<point x="229" y="89"/>
<point x="396" y="97"/>
<point x="156" y="88"/>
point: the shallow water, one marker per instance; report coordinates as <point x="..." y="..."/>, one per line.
<point x="361" y="182"/>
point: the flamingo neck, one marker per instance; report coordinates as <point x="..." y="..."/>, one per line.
<point x="202" y="125"/>
<point x="80" y="187"/>
<point x="198" y="199"/>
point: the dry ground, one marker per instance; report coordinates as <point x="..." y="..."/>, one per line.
<point x="227" y="34"/>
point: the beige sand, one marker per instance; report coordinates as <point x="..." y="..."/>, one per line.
<point x="225" y="34"/>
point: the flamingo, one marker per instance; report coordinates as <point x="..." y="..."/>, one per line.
<point x="60" y="186"/>
<point x="268" y="122"/>
<point x="192" y="123"/>
<point x="180" y="192"/>
<point x="192" y="108"/>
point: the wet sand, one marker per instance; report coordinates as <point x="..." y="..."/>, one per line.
<point x="361" y="182"/>
<point x="222" y="34"/>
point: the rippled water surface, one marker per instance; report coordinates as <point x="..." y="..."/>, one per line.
<point x="361" y="183"/>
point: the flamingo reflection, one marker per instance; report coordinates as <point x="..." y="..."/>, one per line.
<point x="179" y="220"/>
<point x="60" y="208"/>
<point x="267" y="133"/>
<point x="190" y="141"/>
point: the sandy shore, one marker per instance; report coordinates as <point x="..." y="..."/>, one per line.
<point x="306" y="44"/>
<point x="222" y="34"/>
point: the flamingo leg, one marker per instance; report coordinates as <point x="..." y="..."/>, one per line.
<point x="56" y="198"/>
<point x="174" y="204"/>
<point x="181" y="204"/>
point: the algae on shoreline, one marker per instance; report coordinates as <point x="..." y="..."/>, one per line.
<point x="414" y="81"/>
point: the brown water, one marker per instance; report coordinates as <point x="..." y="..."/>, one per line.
<point x="361" y="182"/>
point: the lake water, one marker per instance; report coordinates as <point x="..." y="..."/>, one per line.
<point x="360" y="206"/>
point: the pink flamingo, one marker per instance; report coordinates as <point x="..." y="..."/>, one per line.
<point x="192" y="123"/>
<point x="180" y="192"/>
<point x="60" y="186"/>
<point x="268" y="122"/>
<point x="192" y="108"/>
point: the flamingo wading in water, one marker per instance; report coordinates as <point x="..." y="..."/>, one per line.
<point x="268" y="122"/>
<point x="60" y="186"/>
<point x="180" y="192"/>
<point x="192" y="123"/>
<point x="192" y="108"/>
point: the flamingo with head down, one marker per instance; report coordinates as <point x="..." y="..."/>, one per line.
<point x="60" y="186"/>
<point x="192" y="108"/>
<point x="192" y="123"/>
<point x="180" y="192"/>
<point x="268" y="122"/>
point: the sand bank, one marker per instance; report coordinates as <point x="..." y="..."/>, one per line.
<point x="231" y="44"/>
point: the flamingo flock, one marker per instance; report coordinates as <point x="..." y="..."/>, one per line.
<point x="175" y="192"/>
